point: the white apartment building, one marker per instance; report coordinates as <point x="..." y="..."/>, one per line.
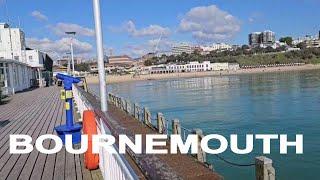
<point x="182" y="48"/>
<point x="215" y="47"/>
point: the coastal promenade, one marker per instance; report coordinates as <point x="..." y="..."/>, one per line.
<point x="130" y="78"/>
<point x="35" y="113"/>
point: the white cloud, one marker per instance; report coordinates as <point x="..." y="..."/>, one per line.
<point x="39" y="16"/>
<point x="61" y="28"/>
<point x="150" y="31"/>
<point x="209" y="23"/>
<point x="61" y="46"/>
<point x="255" y="17"/>
<point x="138" y="50"/>
<point x="163" y="44"/>
<point x="135" y="50"/>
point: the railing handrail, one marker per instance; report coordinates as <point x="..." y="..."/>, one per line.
<point x="83" y="103"/>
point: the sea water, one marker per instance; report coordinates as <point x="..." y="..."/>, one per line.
<point x="273" y="103"/>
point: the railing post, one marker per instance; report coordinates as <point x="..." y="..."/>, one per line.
<point x="125" y="107"/>
<point x="111" y="99"/>
<point x="123" y="104"/>
<point x="118" y="102"/>
<point x="161" y="123"/>
<point x="176" y="128"/>
<point x="115" y="100"/>
<point x="136" y="111"/>
<point x="147" y="117"/>
<point x="264" y="169"/>
<point x="128" y="106"/>
<point x="201" y="155"/>
<point x="109" y="95"/>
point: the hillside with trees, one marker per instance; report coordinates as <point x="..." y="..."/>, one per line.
<point x="245" y="56"/>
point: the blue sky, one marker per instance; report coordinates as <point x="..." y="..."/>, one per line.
<point x="133" y="27"/>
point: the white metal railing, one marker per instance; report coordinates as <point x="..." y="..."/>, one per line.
<point x="112" y="166"/>
<point x="80" y="102"/>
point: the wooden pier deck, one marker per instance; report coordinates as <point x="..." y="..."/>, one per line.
<point x="35" y="113"/>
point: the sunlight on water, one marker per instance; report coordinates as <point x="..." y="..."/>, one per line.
<point x="286" y="103"/>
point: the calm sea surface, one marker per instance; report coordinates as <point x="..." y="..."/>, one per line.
<point x="278" y="103"/>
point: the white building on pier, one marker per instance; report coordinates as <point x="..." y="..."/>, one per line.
<point x="15" y="76"/>
<point x="21" y="67"/>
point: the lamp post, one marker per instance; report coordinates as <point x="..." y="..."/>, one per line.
<point x="101" y="70"/>
<point x="71" y="49"/>
<point x="68" y="66"/>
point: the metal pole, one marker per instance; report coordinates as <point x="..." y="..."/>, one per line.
<point x="72" y="58"/>
<point x="101" y="70"/>
<point x="68" y="68"/>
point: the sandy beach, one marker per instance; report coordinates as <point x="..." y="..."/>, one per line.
<point x="128" y="78"/>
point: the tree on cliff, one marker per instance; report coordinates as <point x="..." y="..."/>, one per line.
<point x="288" y="40"/>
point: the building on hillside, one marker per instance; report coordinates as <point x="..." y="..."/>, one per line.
<point x="268" y="37"/>
<point x="163" y="53"/>
<point x="310" y="41"/>
<point x="182" y="48"/>
<point x="262" y="39"/>
<point x="215" y="47"/>
<point x="63" y="62"/>
<point x="254" y="39"/>
<point x="121" y="61"/>
<point x="221" y="46"/>
<point x="314" y="43"/>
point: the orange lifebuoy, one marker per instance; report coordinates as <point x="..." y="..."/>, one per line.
<point x="91" y="160"/>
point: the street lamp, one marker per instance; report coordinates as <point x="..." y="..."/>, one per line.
<point x="68" y="68"/>
<point x="73" y="34"/>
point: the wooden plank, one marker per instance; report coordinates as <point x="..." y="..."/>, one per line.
<point x="60" y="159"/>
<point x="48" y="171"/>
<point x="35" y="113"/>
<point x="39" y="165"/>
<point x="22" y="130"/>
<point x="26" y="118"/>
<point x="78" y="167"/>
<point x="23" y="121"/>
<point x="23" y="170"/>
<point x="16" y="108"/>
<point x="70" y="170"/>
<point x="18" y="99"/>
<point x="59" y="165"/>
<point x="86" y="174"/>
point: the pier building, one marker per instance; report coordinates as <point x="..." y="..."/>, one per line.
<point x="13" y="47"/>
